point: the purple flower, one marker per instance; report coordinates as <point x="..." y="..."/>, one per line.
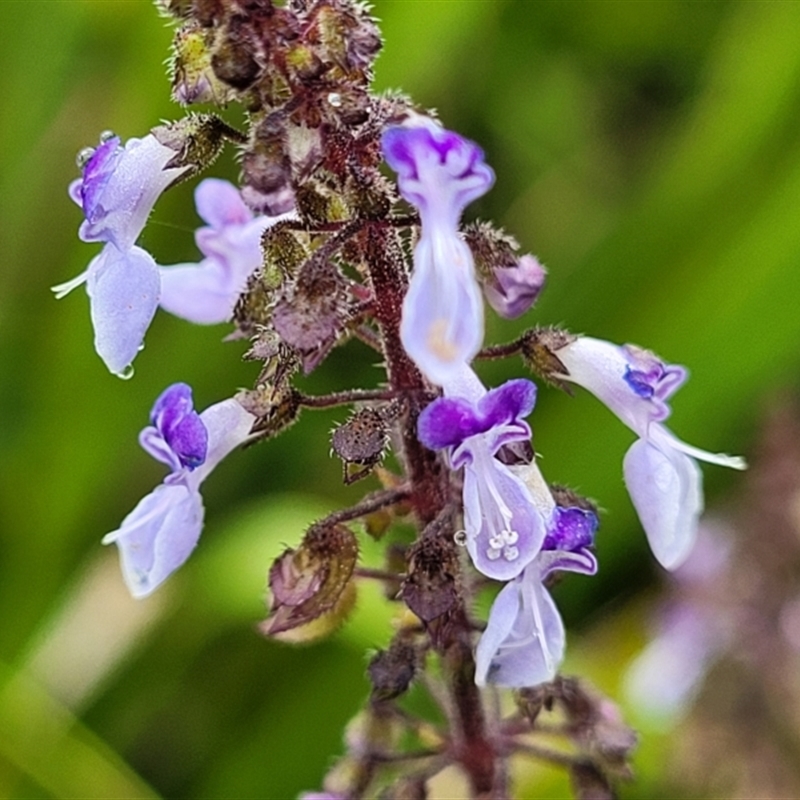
<point x="117" y="191"/>
<point x="523" y="644"/>
<point x="206" y="293"/>
<point x="439" y="172"/>
<point x="665" y="677"/>
<point x="514" y="290"/>
<point x="662" y="476"/>
<point x="504" y="526"/>
<point x="693" y="631"/>
<point x="160" y="533"/>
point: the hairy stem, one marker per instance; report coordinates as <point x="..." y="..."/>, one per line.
<point x="429" y="494"/>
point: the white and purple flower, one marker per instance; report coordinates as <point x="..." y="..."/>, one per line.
<point x="117" y="192"/>
<point x="160" y="533"/>
<point x="505" y="528"/>
<point x="524" y="640"/>
<point x="662" y="476"/>
<point x="206" y="293"/>
<point x="439" y="172"/>
<point x="118" y="188"/>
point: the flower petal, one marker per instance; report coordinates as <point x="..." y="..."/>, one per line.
<point x="505" y="530"/>
<point x="442" y="323"/>
<point x="158" y="536"/>
<point x="120" y="187"/>
<point x="124" y="289"/>
<point x="228" y="426"/>
<point x="180" y="426"/>
<point x="666" y="489"/>
<point x="220" y="203"/>
<point x="502" y="617"/>
<point x="533" y="650"/>
<point x="513" y="290"/>
<point x="200" y="293"/>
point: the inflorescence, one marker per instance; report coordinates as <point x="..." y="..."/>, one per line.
<point x="312" y="250"/>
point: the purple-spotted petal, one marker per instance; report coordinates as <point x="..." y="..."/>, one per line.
<point x="158" y="536"/>
<point x="507" y="403"/>
<point x="665" y="486"/>
<point x="632" y="382"/>
<point x="180" y="426"/>
<point x="438" y="171"/>
<point x="449" y="421"/>
<point x="123" y="287"/>
<point x="572" y="528"/>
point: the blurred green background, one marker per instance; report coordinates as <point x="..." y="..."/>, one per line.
<point x="647" y="152"/>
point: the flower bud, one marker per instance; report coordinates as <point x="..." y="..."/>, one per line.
<point x="311" y="588"/>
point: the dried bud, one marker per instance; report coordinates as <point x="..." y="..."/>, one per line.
<point x="364" y="40"/>
<point x="361" y="441"/>
<point x="303" y="64"/>
<point x="253" y="311"/>
<point x="345" y="36"/>
<point x="283" y="254"/>
<point x="305" y="150"/>
<point x="193" y="80"/>
<point x="313" y="315"/>
<point x="236" y="57"/>
<point x="491" y="247"/>
<point x="539" y="348"/>
<point x="373" y="201"/>
<point x="311" y="588"/>
<point x="197" y="141"/>
<point x="317" y="204"/>
<point x="391" y="671"/>
<point x="431" y="586"/>
<point x="276" y="411"/>
<point x="267" y="171"/>
<point x="274" y="401"/>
